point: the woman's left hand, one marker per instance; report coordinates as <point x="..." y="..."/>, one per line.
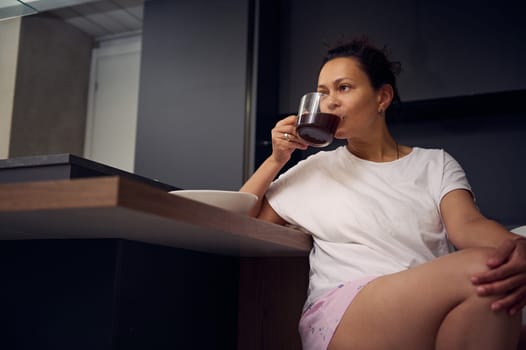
<point x="507" y="276"/>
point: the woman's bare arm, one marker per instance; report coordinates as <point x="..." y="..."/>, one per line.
<point x="259" y="182"/>
<point x="467" y="228"/>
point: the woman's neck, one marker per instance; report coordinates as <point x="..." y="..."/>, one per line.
<point x="376" y="148"/>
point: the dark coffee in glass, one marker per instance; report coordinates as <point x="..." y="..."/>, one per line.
<point x="315" y="126"/>
<point x="317" y="129"/>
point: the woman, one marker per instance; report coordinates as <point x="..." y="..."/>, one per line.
<point x="382" y="217"/>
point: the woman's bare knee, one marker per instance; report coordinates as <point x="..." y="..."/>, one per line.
<point x="470" y="261"/>
<point x="475" y="259"/>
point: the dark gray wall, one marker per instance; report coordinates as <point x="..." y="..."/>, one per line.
<point x="192" y="95"/>
<point x="447" y="48"/>
<point x="51" y="91"/>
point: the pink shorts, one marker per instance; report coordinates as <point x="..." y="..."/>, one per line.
<point x="320" y="319"/>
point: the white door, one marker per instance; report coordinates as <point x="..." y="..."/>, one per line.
<point x="113" y="101"/>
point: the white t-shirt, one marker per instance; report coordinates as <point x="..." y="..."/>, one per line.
<point x="367" y="218"/>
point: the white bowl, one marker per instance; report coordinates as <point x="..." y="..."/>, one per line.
<point x="238" y="202"/>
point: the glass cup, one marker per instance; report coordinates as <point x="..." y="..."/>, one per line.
<point x="315" y="126"/>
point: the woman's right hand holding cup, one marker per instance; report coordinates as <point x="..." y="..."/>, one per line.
<point x="285" y="139"/>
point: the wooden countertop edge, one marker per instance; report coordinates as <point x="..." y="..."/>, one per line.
<point x="59" y="194"/>
<point x="115" y="191"/>
<point x="167" y="205"/>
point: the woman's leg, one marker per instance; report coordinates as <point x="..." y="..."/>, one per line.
<point x="431" y="306"/>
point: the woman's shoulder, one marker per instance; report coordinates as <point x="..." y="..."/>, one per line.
<point x="433" y="156"/>
<point x="322" y="155"/>
<point x="428" y="152"/>
<point x="312" y="163"/>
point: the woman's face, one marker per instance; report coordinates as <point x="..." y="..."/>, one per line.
<point x="352" y="97"/>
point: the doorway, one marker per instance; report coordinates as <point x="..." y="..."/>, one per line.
<point x="113" y="103"/>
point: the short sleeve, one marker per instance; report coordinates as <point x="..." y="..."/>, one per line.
<point x="296" y="185"/>
<point x="275" y="194"/>
<point x="453" y="177"/>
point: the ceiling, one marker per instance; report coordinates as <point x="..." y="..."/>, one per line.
<point x="99" y="18"/>
<point x="103" y="18"/>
